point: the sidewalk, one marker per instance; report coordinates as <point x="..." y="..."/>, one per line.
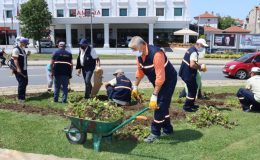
<point x="144" y="85"/>
<point x="174" y="61"/>
<point x="7" y="154"/>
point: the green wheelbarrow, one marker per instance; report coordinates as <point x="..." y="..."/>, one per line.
<point x="76" y="133"/>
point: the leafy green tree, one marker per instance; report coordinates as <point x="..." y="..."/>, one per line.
<point x="202" y="36"/>
<point x="35" y="20"/>
<point x="226" y="22"/>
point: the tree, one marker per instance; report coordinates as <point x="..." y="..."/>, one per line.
<point x="35" y="20"/>
<point x="226" y="22"/>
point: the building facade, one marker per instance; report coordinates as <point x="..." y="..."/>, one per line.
<point x="207" y="19"/>
<point x="253" y="20"/>
<point x="114" y="22"/>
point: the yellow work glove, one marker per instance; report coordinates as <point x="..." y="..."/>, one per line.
<point x="153" y="103"/>
<point x="204" y="68"/>
<point x="135" y="93"/>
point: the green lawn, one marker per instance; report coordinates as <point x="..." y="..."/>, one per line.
<point x="45" y="56"/>
<point x="43" y="134"/>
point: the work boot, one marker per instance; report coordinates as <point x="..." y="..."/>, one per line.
<point x="151" y="138"/>
<point x="195" y="107"/>
<point x="189" y="109"/>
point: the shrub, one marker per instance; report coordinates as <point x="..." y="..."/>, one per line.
<point x="224" y="56"/>
<point x="208" y="116"/>
<point x="94" y="109"/>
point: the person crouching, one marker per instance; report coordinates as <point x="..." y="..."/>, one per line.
<point x="249" y="96"/>
<point x="119" y="89"/>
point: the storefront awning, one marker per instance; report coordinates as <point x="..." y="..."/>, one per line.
<point x="105" y="20"/>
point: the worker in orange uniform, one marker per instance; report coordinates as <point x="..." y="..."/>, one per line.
<point x="153" y="63"/>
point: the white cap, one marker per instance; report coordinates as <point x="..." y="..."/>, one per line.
<point x="118" y="71"/>
<point x="202" y="41"/>
<point x="61" y="44"/>
<point x="255" y="70"/>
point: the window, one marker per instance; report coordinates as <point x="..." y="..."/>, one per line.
<point x="87" y="12"/>
<point x="141" y="11"/>
<point x="105" y="12"/>
<point x="257" y="59"/>
<point x="159" y="11"/>
<point x="9" y="14"/>
<point x="60" y="13"/>
<point x="177" y="11"/>
<point x="72" y="12"/>
<point x="123" y="12"/>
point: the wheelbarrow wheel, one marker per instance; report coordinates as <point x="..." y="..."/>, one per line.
<point x="74" y="135"/>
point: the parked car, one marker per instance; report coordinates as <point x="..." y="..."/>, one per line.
<point x="241" y="67"/>
<point x="44" y="43"/>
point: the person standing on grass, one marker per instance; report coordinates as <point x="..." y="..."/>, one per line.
<point x="152" y="62"/>
<point x="86" y="64"/>
<point x="188" y="73"/>
<point x="19" y="57"/>
<point x="61" y="70"/>
<point x="249" y="96"/>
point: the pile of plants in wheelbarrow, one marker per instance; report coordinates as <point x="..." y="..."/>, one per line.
<point x="93" y="109"/>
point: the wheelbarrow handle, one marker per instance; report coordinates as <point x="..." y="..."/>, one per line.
<point x="133" y="117"/>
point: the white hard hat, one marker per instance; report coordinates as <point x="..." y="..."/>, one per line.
<point x="202" y="41"/>
<point x="255" y="70"/>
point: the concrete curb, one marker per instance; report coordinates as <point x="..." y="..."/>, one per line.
<point x="133" y="62"/>
<point x="11" y="90"/>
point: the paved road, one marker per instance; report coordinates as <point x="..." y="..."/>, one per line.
<point x="37" y="74"/>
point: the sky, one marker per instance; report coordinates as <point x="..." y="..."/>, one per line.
<point x="233" y="8"/>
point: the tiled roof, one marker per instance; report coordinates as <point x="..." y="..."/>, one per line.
<point x="206" y="15"/>
<point x="235" y="29"/>
<point x="212" y="29"/>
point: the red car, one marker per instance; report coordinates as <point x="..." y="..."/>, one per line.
<point x="241" y="67"/>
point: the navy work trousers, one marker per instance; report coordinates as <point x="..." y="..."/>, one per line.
<point x="22" y="80"/>
<point x="59" y="81"/>
<point x="246" y="98"/>
<point x="192" y="91"/>
<point x="87" y="74"/>
<point x="161" y="116"/>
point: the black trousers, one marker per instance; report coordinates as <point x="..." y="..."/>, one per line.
<point x="2" y="59"/>
<point x="22" y="84"/>
<point x="246" y="98"/>
<point x="192" y="91"/>
<point x="87" y="74"/>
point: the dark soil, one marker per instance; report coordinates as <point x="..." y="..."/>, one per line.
<point x="177" y="114"/>
<point x="102" y="97"/>
<point x="32" y="109"/>
<point x="30" y="95"/>
<point x="209" y="103"/>
<point x="218" y="95"/>
<point x="135" y="107"/>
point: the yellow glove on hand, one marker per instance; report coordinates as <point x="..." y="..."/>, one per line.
<point x="203" y="68"/>
<point x="153" y="103"/>
<point x="135" y="92"/>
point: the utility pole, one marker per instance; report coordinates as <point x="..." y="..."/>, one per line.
<point x="91" y="23"/>
<point x="198" y="27"/>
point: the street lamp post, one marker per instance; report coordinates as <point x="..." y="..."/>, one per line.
<point x="256" y="8"/>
